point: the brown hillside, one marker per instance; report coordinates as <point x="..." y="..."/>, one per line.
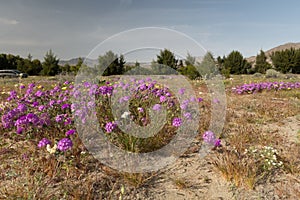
<point x="278" y="48"/>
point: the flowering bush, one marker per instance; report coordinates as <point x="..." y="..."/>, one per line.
<point x="258" y="87"/>
<point x="267" y="156"/>
<point x="210" y="138"/>
<point x="48" y="112"/>
<point x="37" y="112"/>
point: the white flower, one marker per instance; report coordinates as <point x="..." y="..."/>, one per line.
<point x="51" y="150"/>
<point x="125" y="115"/>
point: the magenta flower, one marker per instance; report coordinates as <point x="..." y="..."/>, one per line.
<point x="156" y="107"/>
<point x="19" y="130"/>
<point x="68" y="121"/>
<point x="59" y="118"/>
<point x="39" y="93"/>
<point x="162" y="99"/>
<point x="110" y="126"/>
<point x="70" y="132"/>
<point x="64" y="144"/>
<point x="43" y="142"/>
<point x="65" y="106"/>
<point x="140" y="109"/>
<point x="181" y="91"/>
<point x="200" y="99"/>
<point x="35" y="104"/>
<point x="41" y="107"/>
<point x="177" y="122"/>
<point x="210" y="138"/>
<point x="188" y="115"/>
<point x="22" y="107"/>
<point x="217" y="143"/>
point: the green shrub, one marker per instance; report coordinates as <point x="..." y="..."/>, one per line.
<point x="272" y="73"/>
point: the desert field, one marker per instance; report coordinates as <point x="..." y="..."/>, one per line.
<point x="255" y="156"/>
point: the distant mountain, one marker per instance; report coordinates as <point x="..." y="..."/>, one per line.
<point x="278" y="48"/>
<point x="74" y="61"/>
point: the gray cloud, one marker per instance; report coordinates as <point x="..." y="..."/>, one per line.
<point x="7" y="21"/>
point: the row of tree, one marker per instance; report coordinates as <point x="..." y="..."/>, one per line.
<point x="48" y="67"/>
<point x="286" y="61"/>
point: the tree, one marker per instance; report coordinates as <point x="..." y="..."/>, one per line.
<point x="207" y="67"/>
<point x="261" y="64"/>
<point x="167" y="58"/>
<point x="36" y="67"/>
<point x="190" y="60"/>
<point x="287" y="60"/>
<point x="190" y="71"/>
<point x="50" y="64"/>
<point x="234" y="63"/>
<point x="110" y="64"/>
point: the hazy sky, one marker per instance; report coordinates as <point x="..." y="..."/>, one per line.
<point x="72" y="28"/>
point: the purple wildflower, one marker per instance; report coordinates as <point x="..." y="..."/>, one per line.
<point x="19" y="130"/>
<point x="64" y="144"/>
<point x="33" y="118"/>
<point x="217" y="143"/>
<point x="200" y="99"/>
<point x="39" y="93"/>
<point x="188" y="115"/>
<point x="123" y="99"/>
<point x="52" y="103"/>
<point x="59" y="118"/>
<point x="177" y="122"/>
<point x="65" y="106"/>
<point x="70" y="132"/>
<point x="41" y="107"/>
<point x="22" y="107"/>
<point x="110" y="126"/>
<point x="181" y="91"/>
<point x="68" y="121"/>
<point x="209" y="137"/>
<point x="35" y="104"/>
<point x="162" y="99"/>
<point x="156" y="107"/>
<point x="140" y="109"/>
<point x="43" y="142"/>
<point x="215" y="100"/>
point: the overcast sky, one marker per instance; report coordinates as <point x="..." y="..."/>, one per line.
<point x="72" y="28"/>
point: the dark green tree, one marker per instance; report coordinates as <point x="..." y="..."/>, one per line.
<point x="286" y="60"/>
<point x="36" y="67"/>
<point x="235" y="63"/>
<point x="189" y="71"/>
<point x="261" y="64"/>
<point x="167" y="58"/>
<point x="50" y="64"/>
<point x="110" y="64"/>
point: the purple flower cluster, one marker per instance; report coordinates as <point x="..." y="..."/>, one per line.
<point x="258" y="87"/>
<point x="36" y="107"/>
<point x="43" y="142"/>
<point x="64" y="144"/>
<point x="110" y="126"/>
<point x="177" y="122"/>
<point x="156" y="107"/>
<point x="70" y="132"/>
<point x="210" y="138"/>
